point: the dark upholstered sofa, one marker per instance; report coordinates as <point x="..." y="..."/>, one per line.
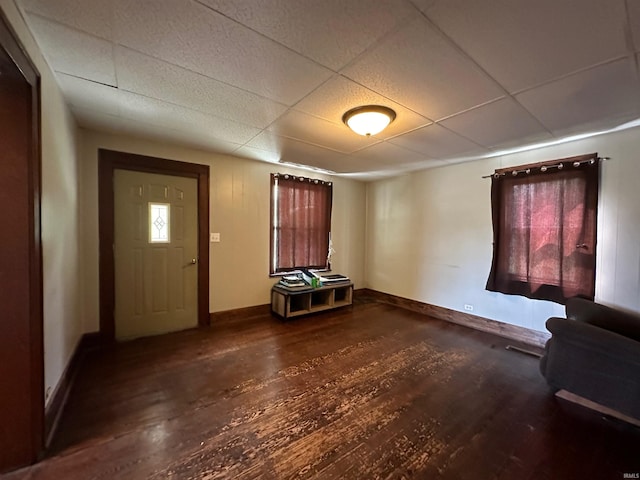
<point x="595" y="353"/>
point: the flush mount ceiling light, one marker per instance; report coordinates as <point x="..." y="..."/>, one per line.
<point x="369" y="119"/>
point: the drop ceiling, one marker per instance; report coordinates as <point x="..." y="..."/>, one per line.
<point x="271" y="79"/>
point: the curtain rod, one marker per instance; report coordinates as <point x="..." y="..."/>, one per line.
<point x="544" y="166"/>
<point x="286" y="176"/>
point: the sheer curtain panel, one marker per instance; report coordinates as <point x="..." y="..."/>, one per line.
<point x="300" y="222"/>
<point x="544" y="224"/>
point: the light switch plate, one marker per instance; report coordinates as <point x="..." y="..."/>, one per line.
<point x="215" y="237"/>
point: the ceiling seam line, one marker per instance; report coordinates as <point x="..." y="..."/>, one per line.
<point x="469" y="58"/>
<point x="211" y="9"/>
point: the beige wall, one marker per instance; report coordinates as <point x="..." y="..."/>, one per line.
<point x="429" y="233"/>
<point x="60" y="247"/>
<point x="240" y="206"/>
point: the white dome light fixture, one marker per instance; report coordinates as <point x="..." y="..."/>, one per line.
<point x="369" y="119"/>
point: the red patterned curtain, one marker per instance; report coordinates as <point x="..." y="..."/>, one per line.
<point x="300" y="222"/>
<point x="544" y="223"/>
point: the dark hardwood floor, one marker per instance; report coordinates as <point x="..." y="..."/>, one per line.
<point x="367" y="392"/>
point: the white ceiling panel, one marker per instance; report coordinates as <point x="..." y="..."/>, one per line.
<point x="258" y="154"/>
<point x="582" y="100"/>
<point x="197" y="38"/>
<point x="436" y="142"/>
<point x="335" y="97"/>
<point x="497" y="124"/>
<point x="156" y="112"/>
<point x="75" y="53"/>
<point x="310" y="129"/>
<point x="97" y="120"/>
<point x="154" y="78"/>
<point x="296" y="152"/>
<point x="423" y="5"/>
<point x="522" y="44"/>
<point x="267" y="141"/>
<point x="271" y="79"/>
<point x="195" y="139"/>
<point x="92" y="16"/>
<point x="417" y="68"/>
<point x="90" y="95"/>
<point x="94" y="120"/>
<point x="309" y="26"/>
<point x="385" y="154"/>
<point x="634" y="22"/>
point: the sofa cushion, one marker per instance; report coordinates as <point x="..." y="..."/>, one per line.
<point x="608" y="318"/>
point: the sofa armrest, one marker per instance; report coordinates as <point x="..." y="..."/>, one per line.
<point x="596" y="339"/>
<point x="623" y="323"/>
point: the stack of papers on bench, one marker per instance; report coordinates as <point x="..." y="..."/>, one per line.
<point x="293" y="282"/>
<point x="330" y="278"/>
<point x="333" y="278"/>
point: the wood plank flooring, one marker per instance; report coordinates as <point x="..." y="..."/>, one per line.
<point x="369" y="392"/>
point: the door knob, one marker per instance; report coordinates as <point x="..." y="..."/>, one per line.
<point x="193" y="261"/>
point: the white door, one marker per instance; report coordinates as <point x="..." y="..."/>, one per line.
<point x="156" y="251"/>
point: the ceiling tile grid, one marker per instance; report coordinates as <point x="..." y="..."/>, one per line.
<point x="90" y="16"/>
<point x="271" y="79"/>
<point x="523" y="44"/>
<point x="338" y="95"/>
<point x="76" y="53"/>
<point x="90" y="95"/>
<point x="309" y="26"/>
<point x="579" y="101"/>
<point x="495" y="124"/>
<point x="148" y="76"/>
<point x="195" y="37"/>
<point x="310" y="129"/>
<point x="437" y="142"/>
<point x="634" y="23"/>
<point x="417" y="67"/>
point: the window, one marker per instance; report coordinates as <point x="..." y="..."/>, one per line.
<point x="300" y="222"/>
<point x="544" y="229"/>
<point x="159" y="222"/>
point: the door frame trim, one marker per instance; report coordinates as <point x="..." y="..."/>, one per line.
<point x="110" y="160"/>
<point x="10" y="43"/>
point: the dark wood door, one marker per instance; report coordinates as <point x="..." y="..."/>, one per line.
<point x="21" y="358"/>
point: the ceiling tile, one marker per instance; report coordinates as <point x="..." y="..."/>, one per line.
<point x="153" y="78"/>
<point x="522" y="44"/>
<point x="317" y="131"/>
<point x="195" y="140"/>
<point x="497" y="124"/>
<point x="299" y="153"/>
<point x="153" y="111"/>
<point x="193" y="76"/>
<point x="268" y="142"/>
<point x="92" y="16"/>
<point x="416" y="67"/>
<point x="73" y="52"/>
<point x="387" y="155"/>
<point x="257" y="154"/>
<point x="609" y="93"/>
<point x="332" y="32"/>
<point x="195" y="37"/>
<point x="98" y="121"/>
<point x="634" y="22"/>
<point x="436" y="142"/>
<point x="89" y="95"/>
<point x="335" y="97"/>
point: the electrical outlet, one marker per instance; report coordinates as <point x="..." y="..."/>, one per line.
<point x="468" y="308"/>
